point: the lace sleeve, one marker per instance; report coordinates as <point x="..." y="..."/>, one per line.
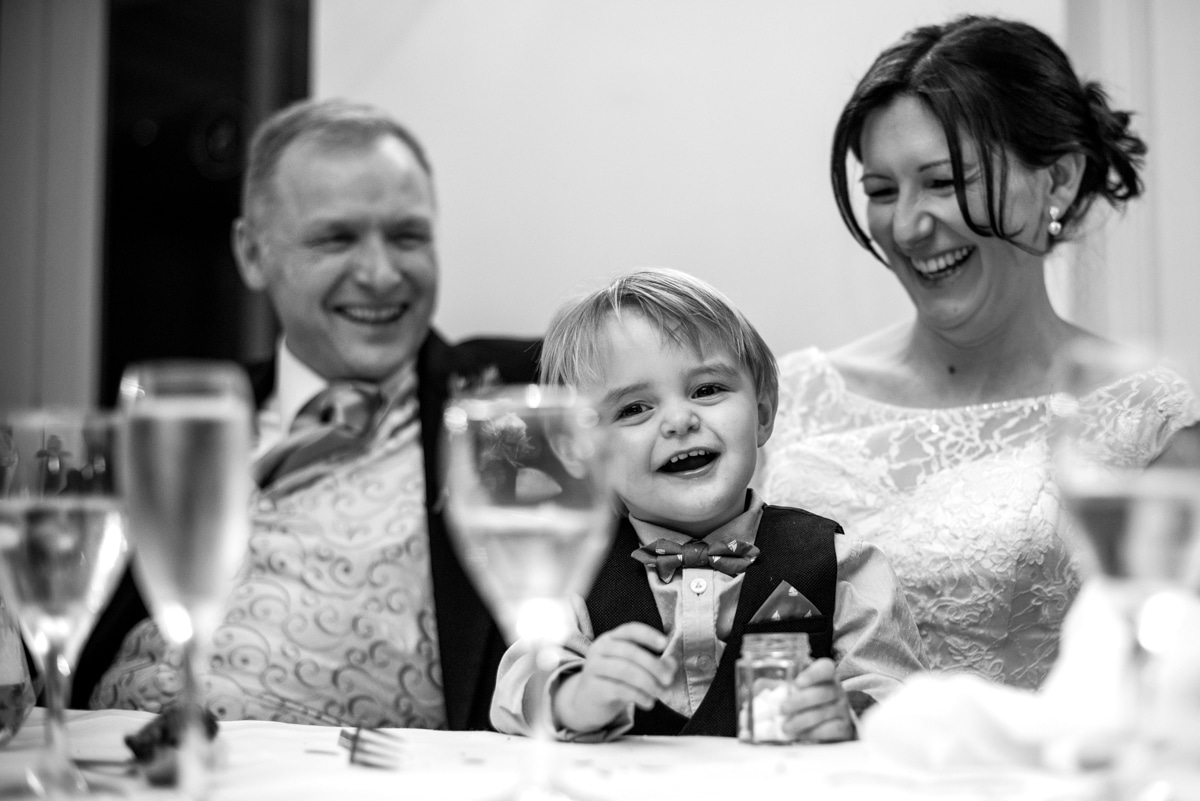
<point x="1137" y="415"/>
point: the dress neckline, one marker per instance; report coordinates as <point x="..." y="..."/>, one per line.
<point x="839" y="382"/>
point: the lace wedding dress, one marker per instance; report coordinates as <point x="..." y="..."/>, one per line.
<point x="960" y="500"/>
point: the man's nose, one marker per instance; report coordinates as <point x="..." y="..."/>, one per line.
<point x="375" y="264"/>
<point x="912" y="222"/>
<point x="680" y="419"/>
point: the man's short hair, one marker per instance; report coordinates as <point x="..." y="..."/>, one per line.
<point x="686" y="310"/>
<point x="335" y="122"/>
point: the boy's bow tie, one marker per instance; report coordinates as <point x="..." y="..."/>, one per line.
<point x="726" y="554"/>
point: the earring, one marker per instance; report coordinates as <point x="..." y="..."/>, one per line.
<point x="1054" y="226"/>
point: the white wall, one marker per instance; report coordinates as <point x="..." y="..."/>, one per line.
<point x="1138" y="277"/>
<point x="575" y="140"/>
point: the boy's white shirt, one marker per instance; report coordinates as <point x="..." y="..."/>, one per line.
<point x="875" y="643"/>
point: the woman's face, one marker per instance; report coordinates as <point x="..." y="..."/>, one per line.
<point x="963" y="285"/>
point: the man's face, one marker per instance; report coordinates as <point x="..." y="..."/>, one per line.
<point x="345" y="252"/>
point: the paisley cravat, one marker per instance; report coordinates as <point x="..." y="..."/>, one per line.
<point x="337" y="420"/>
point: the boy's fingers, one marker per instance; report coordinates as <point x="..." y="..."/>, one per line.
<point x="628" y="692"/>
<point x="640" y="634"/>
<point x="615" y="645"/>
<point x="819" y="672"/>
<point x="623" y="681"/>
<point x="830" y="720"/>
<point x="827" y="730"/>
<point x="812" y="697"/>
<point x="633" y="665"/>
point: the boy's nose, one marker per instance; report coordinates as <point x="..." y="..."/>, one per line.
<point x="680" y="421"/>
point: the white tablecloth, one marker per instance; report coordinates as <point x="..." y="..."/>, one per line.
<point x="265" y="761"/>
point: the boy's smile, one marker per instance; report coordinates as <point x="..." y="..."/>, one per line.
<point x="685" y="427"/>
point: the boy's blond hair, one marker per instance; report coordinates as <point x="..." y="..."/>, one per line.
<point x="686" y="310"/>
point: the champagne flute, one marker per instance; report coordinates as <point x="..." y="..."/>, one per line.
<point x="1136" y="521"/>
<point x="186" y="470"/>
<point x="531" y="517"/>
<point x="61" y="551"/>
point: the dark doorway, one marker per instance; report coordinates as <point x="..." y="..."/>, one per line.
<point x="188" y="81"/>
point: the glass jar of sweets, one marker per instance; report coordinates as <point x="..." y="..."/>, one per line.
<point x="768" y="664"/>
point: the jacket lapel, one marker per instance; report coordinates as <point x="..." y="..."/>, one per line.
<point x="467" y="636"/>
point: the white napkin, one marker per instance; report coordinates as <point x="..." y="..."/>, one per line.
<point x="947" y="720"/>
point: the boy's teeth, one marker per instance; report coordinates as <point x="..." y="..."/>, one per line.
<point x="942" y="262"/>
<point x="680" y="456"/>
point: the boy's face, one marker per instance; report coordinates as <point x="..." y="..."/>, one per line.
<point x="684" y="427"/>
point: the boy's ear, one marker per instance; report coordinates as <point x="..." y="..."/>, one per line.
<point x="766" y="419"/>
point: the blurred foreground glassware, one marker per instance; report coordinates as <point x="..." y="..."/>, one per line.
<point x="529" y="504"/>
<point x="61" y="551"/>
<point x="186" y="470"/>
<point x="17" y="696"/>
<point x="1140" y="527"/>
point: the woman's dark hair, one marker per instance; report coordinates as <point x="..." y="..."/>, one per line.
<point x="1009" y="89"/>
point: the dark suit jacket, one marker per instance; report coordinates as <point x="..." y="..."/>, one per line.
<point x="794" y="546"/>
<point x="471" y="645"/>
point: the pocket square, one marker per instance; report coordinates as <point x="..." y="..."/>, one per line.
<point x="785" y="603"/>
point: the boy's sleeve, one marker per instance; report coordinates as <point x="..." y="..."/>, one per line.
<point x="512" y="702"/>
<point x="875" y="639"/>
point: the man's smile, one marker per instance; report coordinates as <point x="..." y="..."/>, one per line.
<point x="373" y="314"/>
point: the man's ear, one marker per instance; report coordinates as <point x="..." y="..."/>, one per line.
<point x="1065" y="176"/>
<point x="248" y="251"/>
<point x="766" y="418"/>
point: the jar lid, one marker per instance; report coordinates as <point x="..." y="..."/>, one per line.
<point x="777" y="643"/>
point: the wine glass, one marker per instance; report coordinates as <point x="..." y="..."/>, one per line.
<point x="186" y="472"/>
<point x="1135" y="516"/>
<point x="61" y="551"/>
<point x="530" y="512"/>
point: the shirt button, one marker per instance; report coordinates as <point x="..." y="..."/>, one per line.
<point x="704" y="661"/>
<point x="699" y="585"/>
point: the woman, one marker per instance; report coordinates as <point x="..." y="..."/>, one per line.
<point x="980" y="150"/>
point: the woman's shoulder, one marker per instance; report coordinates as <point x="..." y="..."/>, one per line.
<point x="800" y="367"/>
<point x="1137" y="411"/>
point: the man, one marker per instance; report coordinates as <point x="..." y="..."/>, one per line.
<point x="352" y="607"/>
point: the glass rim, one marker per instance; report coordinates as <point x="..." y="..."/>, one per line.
<point x="60" y="414"/>
<point x="173" y="373"/>
<point x="183" y="366"/>
<point x="529" y="397"/>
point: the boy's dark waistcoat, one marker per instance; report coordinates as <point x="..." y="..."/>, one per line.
<point x="794" y="546"/>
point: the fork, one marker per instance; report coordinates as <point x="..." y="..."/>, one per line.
<point x="371" y="748"/>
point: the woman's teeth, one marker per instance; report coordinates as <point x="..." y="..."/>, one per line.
<point x="941" y="263"/>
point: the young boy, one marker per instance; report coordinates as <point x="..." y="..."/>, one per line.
<point x="687" y="391"/>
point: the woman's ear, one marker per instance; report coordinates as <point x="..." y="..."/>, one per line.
<point x="1066" y="173"/>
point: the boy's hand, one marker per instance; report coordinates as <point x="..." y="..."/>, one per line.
<point x="816" y="709"/>
<point x="623" y="666"/>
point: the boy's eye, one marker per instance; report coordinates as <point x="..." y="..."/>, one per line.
<point x="630" y="410"/>
<point x="708" y="390"/>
